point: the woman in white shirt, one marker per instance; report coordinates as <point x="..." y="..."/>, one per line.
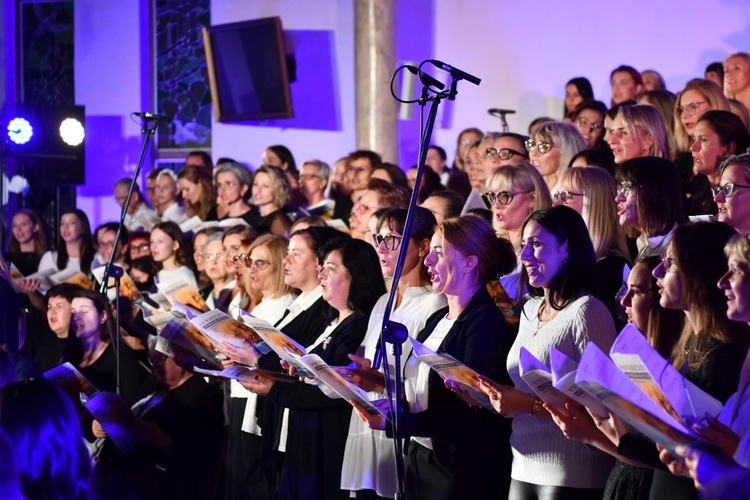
<point x="166" y="192"/>
<point x="369" y="463"/>
<point x="171" y="254"/>
<point x="75" y="245"/>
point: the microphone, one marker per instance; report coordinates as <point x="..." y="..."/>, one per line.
<point x="425" y="78"/>
<point x="455" y="72"/>
<point x="152" y="117"/>
<point x="500" y="112"/>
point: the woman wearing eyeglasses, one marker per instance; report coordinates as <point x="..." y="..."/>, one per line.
<point x="222" y="283"/>
<point x="351" y="282"/>
<point x="513" y="192"/>
<point x="591" y="192"/>
<point x="369" y="465"/>
<point x="718" y="134"/>
<point x="559" y="269"/>
<point x="649" y="202"/>
<point x="588" y="117"/>
<point x="551" y="149"/>
<point x="711" y="348"/>
<point x="456" y="451"/>
<point x="732" y="195"/>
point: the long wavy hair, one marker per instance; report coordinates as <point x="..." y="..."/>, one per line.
<point x="86" y="246"/>
<point x="40" y="246"/>
<point x="199" y="175"/>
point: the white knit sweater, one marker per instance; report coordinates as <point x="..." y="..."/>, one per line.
<point x="541" y="454"/>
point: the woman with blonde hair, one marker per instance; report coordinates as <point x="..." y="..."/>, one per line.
<point x="591" y="192"/>
<point x="664" y="102"/>
<point x="196" y="186"/>
<point x="638" y="131"/>
<point x="737" y="78"/>
<point x="514" y="192"/>
<point x="696" y="98"/>
<point x="270" y="194"/>
<point x="552" y="147"/>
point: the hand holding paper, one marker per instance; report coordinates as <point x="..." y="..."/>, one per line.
<point x="360" y="373"/>
<point x="373" y="420"/>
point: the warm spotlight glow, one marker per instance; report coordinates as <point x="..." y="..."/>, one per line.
<point x="20" y="130"/>
<point x="71" y="131"/>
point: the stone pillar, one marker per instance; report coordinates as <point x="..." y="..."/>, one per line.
<point x="375" y="62"/>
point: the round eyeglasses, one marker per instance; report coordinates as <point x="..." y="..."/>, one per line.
<point x="541" y="146"/>
<point x="564" y="196"/>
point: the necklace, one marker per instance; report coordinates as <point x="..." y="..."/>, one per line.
<point x="540" y="323"/>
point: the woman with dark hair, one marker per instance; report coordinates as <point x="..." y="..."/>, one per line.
<point x="717" y="135"/>
<point x="711" y="348"/>
<point x="626" y="83"/>
<point x="369" y="464"/>
<point x="588" y="117"/>
<point x="171" y="254"/>
<point x="26" y="244"/>
<point x="558" y="268"/>
<point x="75" y="245"/>
<point x="390" y="173"/>
<point x="577" y="90"/>
<point x="649" y="202"/>
<point x="92" y="352"/>
<point x="732" y="194"/>
<point x="351" y="282"/>
<point x="715" y="73"/>
<point x="456" y="451"/>
<point x="279" y="156"/>
<point x="196" y="186"/>
<point x="46" y="439"/>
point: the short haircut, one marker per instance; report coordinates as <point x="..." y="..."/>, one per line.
<point x="634" y="74"/>
<point x="240" y="172"/>
<point x="324" y="171"/>
<point x="279" y="184"/>
<point x="729" y="128"/>
<point x="374" y="158"/>
<point x="567" y="137"/>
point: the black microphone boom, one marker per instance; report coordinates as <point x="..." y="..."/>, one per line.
<point x="455" y="72"/>
<point x="498" y="111"/>
<point x="154" y="117"/>
<point x="425" y="78"/>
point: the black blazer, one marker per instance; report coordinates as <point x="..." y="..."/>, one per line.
<point x="471" y="443"/>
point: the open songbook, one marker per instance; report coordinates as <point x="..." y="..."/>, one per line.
<point x="109" y="409"/>
<point x="645" y="390"/>
<point x="308" y="365"/>
<point x="448" y="367"/>
<point x="49" y="278"/>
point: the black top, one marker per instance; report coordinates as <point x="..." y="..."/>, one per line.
<point x="192" y="416"/>
<point x="44" y="347"/>
<point x="26" y="262"/>
<point x="102" y="373"/>
<point x="262" y="223"/>
<point x="608" y="283"/>
<point x="718" y="375"/>
<point x="318" y="425"/>
<point x="472" y="443"/>
<point x="343" y="208"/>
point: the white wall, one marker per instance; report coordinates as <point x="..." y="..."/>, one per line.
<point x="524" y="51"/>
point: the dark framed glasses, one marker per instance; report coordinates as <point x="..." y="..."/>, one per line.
<point x="564" y="196"/>
<point x="391" y="241"/>
<point x="502" y="197"/>
<point x="624" y="188"/>
<point x="503" y="153"/>
<point x="727" y="189"/>
<point x="585" y="124"/>
<point x="541" y="146"/>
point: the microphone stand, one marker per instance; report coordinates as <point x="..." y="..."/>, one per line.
<point x="116" y="272"/>
<point x="395" y="333"/>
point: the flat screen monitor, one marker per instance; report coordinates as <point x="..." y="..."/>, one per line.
<point x="247" y="69"/>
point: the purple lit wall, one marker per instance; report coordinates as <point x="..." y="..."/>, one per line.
<point x="523" y="51"/>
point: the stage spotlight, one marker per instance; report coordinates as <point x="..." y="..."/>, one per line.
<point x="20" y="130"/>
<point x="72" y="132"/>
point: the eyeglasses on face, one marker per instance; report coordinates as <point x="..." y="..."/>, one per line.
<point x="727" y="189"/>
<point x="690" y="109"/>
<point x="211" y="257"/>
<point x="240" y="257"/>
<point x="502" y="197"/>
<point x="541" y="146"/>
<point x="624" y="188"/>
<point x="564" y="196"/>
<point x="391" y="241"/>
<point x="503" y="153"/>
<point x="667" y="264"/>
<point x="258" y="264"/>
<point x="361" y="208"/>
<point x="588" y="125"/>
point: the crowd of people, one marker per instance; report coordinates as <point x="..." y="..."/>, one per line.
<point x="633" y="212"/>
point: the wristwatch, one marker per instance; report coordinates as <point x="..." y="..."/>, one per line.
<point x="536" y="406"/>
